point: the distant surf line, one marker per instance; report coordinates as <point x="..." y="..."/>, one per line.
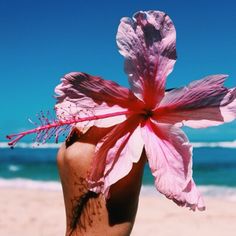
<point x="227" y="193"/>
<point x="222" y="144"/>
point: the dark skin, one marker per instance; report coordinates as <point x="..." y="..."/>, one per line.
<point x="88" y="213"/>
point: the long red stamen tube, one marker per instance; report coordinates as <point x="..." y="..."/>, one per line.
<point x="60" y="123"/>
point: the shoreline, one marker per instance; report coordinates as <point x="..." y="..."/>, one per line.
<point x="36" y="212"/>
<point x="212" y="191"/>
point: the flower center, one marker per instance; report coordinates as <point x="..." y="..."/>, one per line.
<point x="147" y="113"/>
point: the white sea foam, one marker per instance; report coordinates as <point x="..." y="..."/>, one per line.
<point x="14" y="168"/>
<point x="231" y="144"/>
<point x="31" y="145"/>
<point x="19" y="183"/>
<point x="223" y="144"/>
<point x="220" y="192"/>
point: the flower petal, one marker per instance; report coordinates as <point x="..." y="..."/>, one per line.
<point x="201" y="104"/>
<point x="115" y="155"/>
<point x="170" y="159"/>
<point x="190" y="197"/>
<point x="148" y="44"/>
<point x="82" y="95"/>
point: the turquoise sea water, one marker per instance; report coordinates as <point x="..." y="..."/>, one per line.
<point x="211" y="165"/>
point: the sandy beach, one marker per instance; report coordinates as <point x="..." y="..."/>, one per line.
<point x="41" y="213"/>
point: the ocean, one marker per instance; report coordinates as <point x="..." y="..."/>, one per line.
<point x="214" y="168"/>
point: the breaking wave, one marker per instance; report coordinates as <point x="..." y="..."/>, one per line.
<point x="223" y="144"/>
<point x="20" y="183"/>
<point x="31" y="145"/>
<point x="227" y="193"/>
<point x="231" y="144"/>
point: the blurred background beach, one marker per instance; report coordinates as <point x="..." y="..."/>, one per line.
<point x="32" y="203"/>
<point x="43" y="40"/>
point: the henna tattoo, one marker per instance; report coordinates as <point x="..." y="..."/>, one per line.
<point x="84" y="208"/>
<point x="79" y="209"/>
<point x="85" y="204"/>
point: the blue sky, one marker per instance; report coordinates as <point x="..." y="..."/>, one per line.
<point x="43" y="40"/>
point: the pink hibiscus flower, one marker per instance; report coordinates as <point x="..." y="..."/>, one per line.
<point x="144" y="117"/>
